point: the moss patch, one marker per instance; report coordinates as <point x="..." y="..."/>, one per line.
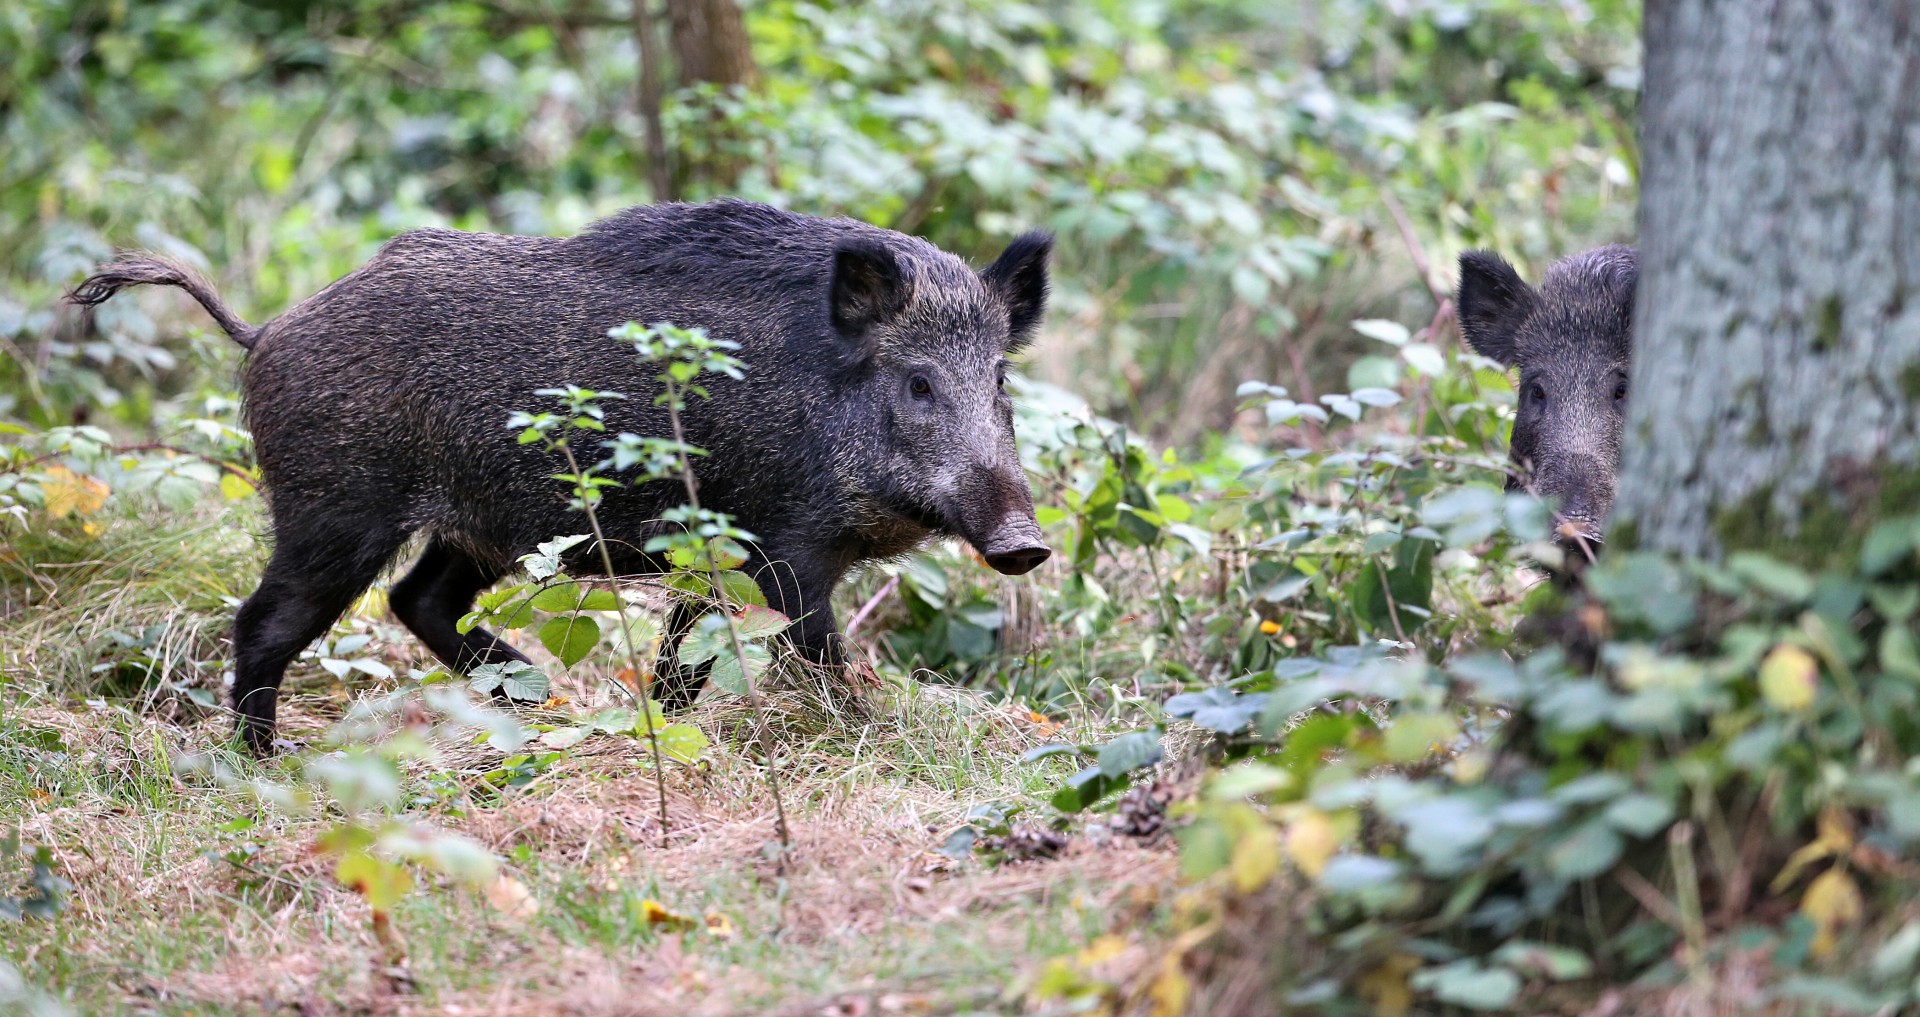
<point x="1826" y="326"/>
<point x="1827" y="529"/>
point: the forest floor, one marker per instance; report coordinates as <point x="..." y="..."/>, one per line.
<point x="191" y="896"/>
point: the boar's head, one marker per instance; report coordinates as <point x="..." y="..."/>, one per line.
<point x="1571" y="340"/>
<point x="926" y="342"/>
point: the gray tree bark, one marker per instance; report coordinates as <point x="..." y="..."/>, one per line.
<point x="1776" y="369"/>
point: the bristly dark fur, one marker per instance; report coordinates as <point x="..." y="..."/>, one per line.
<point x="871" y="415"/>
<point x="1571" y="340"/>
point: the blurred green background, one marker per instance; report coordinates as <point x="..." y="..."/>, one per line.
<point x="1223" y="174"/>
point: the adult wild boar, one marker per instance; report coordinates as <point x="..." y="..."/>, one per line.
<point x="873" y="413"/>
<point x="1571" y="340"/>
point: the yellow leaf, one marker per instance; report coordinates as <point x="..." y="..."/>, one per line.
<point x="657" y="913"/>
<point x="234" y="487"/>
<point x="71" y="494"/>
<point x="1835" y="838"/>
<point x="1270" y="628"/>
<point x="1832" y="901"/>
<point x="1385" y="986"/>
<point x="1102" y="949"/>
<point x="719" y="926"/>
<point x="1789" y="678"/>
<point x="1256" y="857"/>
<point x="1311" y="841"/>
<point x="381" y="882"/>
<point x="1170" y="988"/>
<point x="510" y="897"/>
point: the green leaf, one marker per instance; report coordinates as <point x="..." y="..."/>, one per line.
<point x="1132" y="751"/>
<point x="1387" y="331"/>
<point x="1085" y="789"/>
<point x="1466" y="983"/>
<point x="1772" y="576"/>
<point x="1641" y="815"/>
<point x="1218" y="709"/>
<point x="1588" y="851"/>
<point x="518" y="679"/>
<point x="739" y="588"/>
<point x="1543" y="960"/>
<point x="754" y="622"/>
<point x="1899" y="656"/>
<point x="1049" y="750"/>
<point x="564" y="737"/>
<point x="681" y="741"/>
<point x="706" y="640"/>
<point x="727" y="673"/>
<point x="570" y="638"/>
<point x="1414" y="736"/>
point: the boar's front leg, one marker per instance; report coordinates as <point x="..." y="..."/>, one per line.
<point x="791" y="588"/>
<point x="802" y="589"/>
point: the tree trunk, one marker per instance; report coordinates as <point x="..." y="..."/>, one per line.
<point x="1776" y="369"/>
<point x="648" y="98"/>
<point x="710" y="42"/>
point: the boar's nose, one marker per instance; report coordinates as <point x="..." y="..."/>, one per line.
<point x="1018" y="559"/>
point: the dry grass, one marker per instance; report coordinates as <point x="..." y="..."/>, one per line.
<point x="191" y="896"/>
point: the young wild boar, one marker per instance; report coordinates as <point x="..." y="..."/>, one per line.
<point x="1571" y="340"/>
<point x="873" y="413"/>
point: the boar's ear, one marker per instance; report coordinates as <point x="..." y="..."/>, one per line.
<point x="1493" y="303"/>
<point x="868" y="287"/>
<point x="1019" y="278"/>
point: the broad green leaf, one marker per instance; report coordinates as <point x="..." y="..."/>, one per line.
<point x="570" y="638"/>
<point x="753" y="622"/>
<point x="1129" y="752"/>
<point x="681" y="741"/>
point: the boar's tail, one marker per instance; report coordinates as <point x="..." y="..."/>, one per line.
<point x="143" y="269"/>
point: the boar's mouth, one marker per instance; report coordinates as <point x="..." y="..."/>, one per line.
<point x="1011" y="547"/>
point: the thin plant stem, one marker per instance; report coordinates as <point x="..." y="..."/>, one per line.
<point x="644" y="679"/>
<point x="754" y="702"/>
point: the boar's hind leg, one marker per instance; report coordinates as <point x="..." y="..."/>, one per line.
<point x="433" y="597"/>
<point x="312" y="578"/>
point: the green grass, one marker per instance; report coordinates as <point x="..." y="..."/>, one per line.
<point x="191" y="896"/>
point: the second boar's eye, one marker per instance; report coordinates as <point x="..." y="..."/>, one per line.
<point x="1536" y="394"/>
<point x="1620" y="390"/>
<point x="920" y="387"/>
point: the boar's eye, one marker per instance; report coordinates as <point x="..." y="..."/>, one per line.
<point x="1620" y="390"/>
<point x="1536" y="394"/>
<point x="920" y="387"/>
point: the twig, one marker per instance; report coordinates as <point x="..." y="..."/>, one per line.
<point x="1414" y="250"/>
<point x="867" y="608"/>
<point x="1442" y="300"/>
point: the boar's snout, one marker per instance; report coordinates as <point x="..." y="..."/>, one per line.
<point x="995" y="515"/>
<point x="1017" y="549"/>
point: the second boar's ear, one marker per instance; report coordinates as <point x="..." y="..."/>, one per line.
<point x="1019" y="278"/>
<point x="867" y="289"/>
<point x="1492" y="305"/>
